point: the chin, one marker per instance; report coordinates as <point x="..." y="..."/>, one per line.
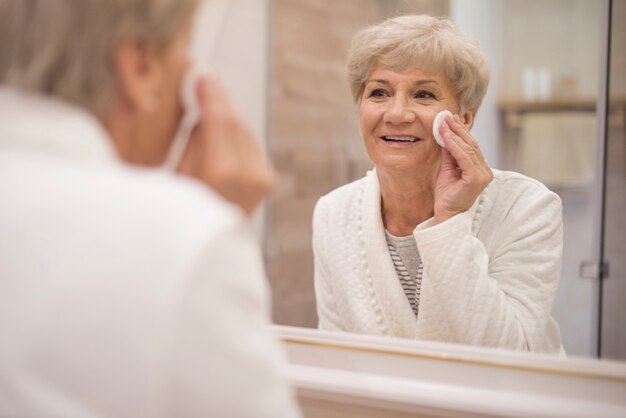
<point x="406" y="163"/>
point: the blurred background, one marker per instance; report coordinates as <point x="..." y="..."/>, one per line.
<point x="545" y="115"/>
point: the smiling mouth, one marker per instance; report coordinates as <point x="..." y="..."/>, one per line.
<point x="400" y="138"/>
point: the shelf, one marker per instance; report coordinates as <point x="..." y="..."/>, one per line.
<point x="514" y="108"/>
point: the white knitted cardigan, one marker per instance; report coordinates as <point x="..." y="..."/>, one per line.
<point x="490" y="274"/>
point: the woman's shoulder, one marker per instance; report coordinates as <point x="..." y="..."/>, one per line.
<point x="186" y="200"/>
<point x="171" y="207"/>
<point x="511" y="192"/>
<point x="337" y="219"/>
<point x="515" y="183"/>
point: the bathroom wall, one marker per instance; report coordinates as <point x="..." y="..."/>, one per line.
<point x="232" y="37"/>
<point x="562" y="35"/>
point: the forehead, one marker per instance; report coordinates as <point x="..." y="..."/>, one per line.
<point x="385" y="75"/>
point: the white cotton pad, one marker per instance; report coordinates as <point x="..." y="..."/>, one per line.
<point x="189" y="120"/>
<point x="438" y="119"/>
<point x="189" y="94"/>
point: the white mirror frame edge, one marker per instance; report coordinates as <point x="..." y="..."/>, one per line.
<point x="339" y="374"/>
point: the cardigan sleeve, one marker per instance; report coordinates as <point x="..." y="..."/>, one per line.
<point x="498" y="298"/>
<point x="328" y="316"/>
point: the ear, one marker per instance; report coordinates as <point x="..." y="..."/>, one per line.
<point x="138" y="75"/>
<point x="468" y="119"/>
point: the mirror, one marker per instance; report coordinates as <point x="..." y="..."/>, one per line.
<point x="612" y="338"/>
<point x="547" y="62"/>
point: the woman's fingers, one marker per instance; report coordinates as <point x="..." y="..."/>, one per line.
<point x="463" y="153"/>
<point x="464" y="172"/>
<point x="467" y="143"/>
<point x="224" y="153"/>
<point x="460" y="129"/>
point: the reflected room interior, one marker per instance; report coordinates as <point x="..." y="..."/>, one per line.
<point x="539" y="118"/>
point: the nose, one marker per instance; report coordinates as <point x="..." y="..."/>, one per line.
<point x="399" y="112"/>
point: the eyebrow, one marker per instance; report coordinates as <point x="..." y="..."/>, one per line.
<point x="416" y="83"/>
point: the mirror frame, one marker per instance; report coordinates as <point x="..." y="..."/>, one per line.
<point x="363" y="375"/>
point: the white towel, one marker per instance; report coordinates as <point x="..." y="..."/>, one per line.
<point x="559" y="148"/>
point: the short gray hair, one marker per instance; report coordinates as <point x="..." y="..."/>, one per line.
<point x="63" y="48"/>
<point x="432" y="44"/>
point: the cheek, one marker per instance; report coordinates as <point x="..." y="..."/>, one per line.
<point x="368" y="118"/>
<point x="173" y="100"/>
<point x="428" y="117"/>
<point x="166" y="120"/>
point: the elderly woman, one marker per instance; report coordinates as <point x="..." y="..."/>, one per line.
<point x="125" y="290"/>
<point x="433" y="244"/>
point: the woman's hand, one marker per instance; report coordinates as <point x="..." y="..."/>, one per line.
<point x="224" y="154"/>
<point x="464" y="171"/>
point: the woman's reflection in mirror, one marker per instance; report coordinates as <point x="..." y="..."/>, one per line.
<point x="434" y="244"/>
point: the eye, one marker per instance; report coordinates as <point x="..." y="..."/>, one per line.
<point x="378" y="93"/>
<point x="424" y="94"/>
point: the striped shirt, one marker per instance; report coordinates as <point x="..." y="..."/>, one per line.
<point x="407" y="261"/>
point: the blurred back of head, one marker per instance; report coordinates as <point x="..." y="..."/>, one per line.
<point x="63" y="48"/>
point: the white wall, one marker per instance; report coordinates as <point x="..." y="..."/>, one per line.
<point x="480" y="19"/>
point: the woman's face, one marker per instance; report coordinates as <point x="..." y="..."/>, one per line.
<point x="397" y="111"/>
